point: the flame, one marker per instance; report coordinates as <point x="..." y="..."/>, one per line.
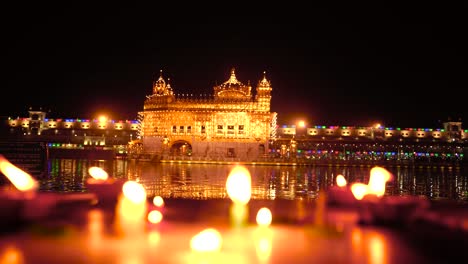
<point x="158" y="201"/>
<point x="207" y="240"/>
<point x="22" y="180"/>
<point x="340" y="181"/>
<point x="98" y="173"/>
<point x="264" y="217"/>
<point x="359" y="190"/>
<point x="238" y="185"/>
<point x="134" y="191"/>
<point x="378" y="177"/>
<point x="155" y="217"/>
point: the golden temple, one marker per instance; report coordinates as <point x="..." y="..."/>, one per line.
<point x="233" y="123"/>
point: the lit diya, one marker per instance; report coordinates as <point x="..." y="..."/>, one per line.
<point x="12" y="200"/>
<point x="239" y="189"/>
<point x="375" y="208"/>
<point x="340" y="194"/>
<point x="106" y="189"/>
<point x="24" y="203"/>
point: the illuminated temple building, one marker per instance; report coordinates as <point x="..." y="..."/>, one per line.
<point x="234" y="122"/>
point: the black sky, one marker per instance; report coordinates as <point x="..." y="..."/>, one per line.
<point x="400" y="65"/>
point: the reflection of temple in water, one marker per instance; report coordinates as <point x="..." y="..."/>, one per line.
<point x="232" y="123"/>
<point x="202" y="181"/>
<point x="208" y="181"/>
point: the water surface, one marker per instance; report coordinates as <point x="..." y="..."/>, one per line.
<point x="205" y="181"/>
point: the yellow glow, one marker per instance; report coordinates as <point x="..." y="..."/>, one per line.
<point x="377" y="249"/>
<point x="131" y="215"/>
<point x="301" y="123"/>
<point x="95" y="228"/>
<point x="155" y="217"/>
<point x="158" y="201"/>
<point x="264" y="247"/>
<point x="103" y="119"/>
<point x="11" y="255"/>
<point x="378" y="177"/>
<point x="154" y="237"/>
<point x="340" y="180"/>
<point x="22" y="180"/>
<point x="208" y="240"/>
<point x="359" y="190"/>
<point x="356" y="239"/>
<point x="98" y="173"/>
<point x="134" y="191"/>
<point x="239" y="185"/>
<point x="264" y="217"/>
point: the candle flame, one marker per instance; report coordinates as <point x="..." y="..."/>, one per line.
<point x="134" y="191"/>
<point x="98" y="173"/>
<point x="264" y="217"/>
<point x="378" y="177"/>
<point x="359" y="190"/>
<point x="208" y="240"/>
<point x="340" y="181"/>
<point x="238" y="185"/>
<point x="158" y="201"/>
<point x="155" y="217"/>
<point x="22" y="180"/>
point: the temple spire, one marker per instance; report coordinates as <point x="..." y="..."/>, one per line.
<point x="233" y="78"/>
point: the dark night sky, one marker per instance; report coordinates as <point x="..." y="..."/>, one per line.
<point x="331" y="65"/>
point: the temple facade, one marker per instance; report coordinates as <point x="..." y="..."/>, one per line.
<point x="235" y="122"/>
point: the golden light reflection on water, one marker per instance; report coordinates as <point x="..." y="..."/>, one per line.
<point x="204" y="181"/>
<point x="377" y="249"/>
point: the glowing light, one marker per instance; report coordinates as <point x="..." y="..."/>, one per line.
<point x="131" y="210"/>
<point x="301" y="123"/>
<point x="95" y="228"/>
<point x="378" y="177"/>
<point x="340" y="180"/>
<point x="264" y="217"/>
<point x="103" y="119"/>
<point x="359" y="190"/>
<point x="264" y="245"/>
<point x="11" y="254"/>
<point x="154" y="237"/>
<point x="155" y="217"/>
<point x="238" y="185"/>
<point x="376" y="248"/>
<point x="98" y="173"/>
<point x="22" y="180"/>
<point x="208" y="240"/>
<point x="158" y="201"/>
<point x="134" y="191"/>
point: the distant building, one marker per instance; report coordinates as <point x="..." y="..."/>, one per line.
<point x="232" y="123"/>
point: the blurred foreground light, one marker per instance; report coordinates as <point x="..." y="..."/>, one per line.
<point x="264" y="217"/>
<point x="98" y="173"/>
<point x="239" y="185"/>
<point x="208" y="240"/>
<point x="155" y="217"/>
<point x="340" y="180"/>
<point x="359" y="190"/>
<point x="158" y="201"/>
<point x="22" y="180"/>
